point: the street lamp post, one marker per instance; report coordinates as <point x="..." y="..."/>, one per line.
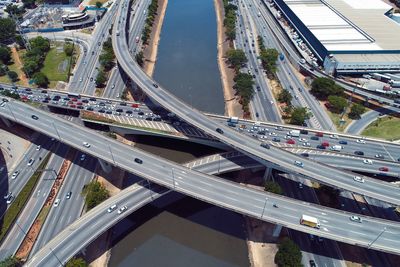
<point x="58" y="134"/>
<point x="51" y="250"/>
<point x="381" y="233"/>
<point x="112" y="155"/>
<point x="265" y="204"/>
<point x="173" y="177"/>
<point x="12" y="113"/>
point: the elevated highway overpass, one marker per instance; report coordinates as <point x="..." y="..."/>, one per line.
<point x="91" y="225"/>
<point x="276" y="157"/>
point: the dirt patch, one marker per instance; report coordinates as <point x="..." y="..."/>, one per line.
<point x="18" y="63"/>
<point x="33" y="233"/>
<point x="232" y="105"/>
<point x="150" y="51"/>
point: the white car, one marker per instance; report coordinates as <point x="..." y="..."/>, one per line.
<point x="302" y="140"/>
<point x="56" y="202"/>
<point x="38" y="147"/>
<point x="30" y="162"/>
<point x="361" y="141"/>
<point x="86" y="144"/>
<point x="306" y="144"/>
<point x="83" y="157"/>
<point x="122" y="209"/>
<point x="299" y="163"/>
<point x="112" y="208"/>
<point x="14" y="175"/>
<point x="358" y="179"/>
<point x="367" y="161"/>
<point x="333" y="136"/>
<point x="272" y="134"/>
<point x="355" y="219"/>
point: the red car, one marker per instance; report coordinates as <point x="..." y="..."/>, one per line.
<point x="325" y="144"/>
<point x="291" y="142"/>
<point x="384" y="169"/>
<point x="72" y="106"/>
<point x="319" y="134"/>
<point x="135" y="105"/>
<point x="74" y="99"/>
<point x="79" y="103"/>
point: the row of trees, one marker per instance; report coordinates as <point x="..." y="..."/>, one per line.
<point x="268" y="58"/>
<point x="326" y="89"/>
<point x="273" y="187"/>
<point x="94" y="193"/>
<point x="243" y="82"/>
<point x="106" y="60"/>
<point x="289" y="254"/>
<point x="230" y="19"/>
<point x="151" y="14"/>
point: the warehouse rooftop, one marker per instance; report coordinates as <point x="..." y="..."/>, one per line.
<point x="349" y="25"/>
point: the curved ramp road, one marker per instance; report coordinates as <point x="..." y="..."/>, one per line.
<point x="86" y="229"/>
<point x="247" y="145"/>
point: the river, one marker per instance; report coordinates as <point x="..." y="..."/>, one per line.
<point x="187" y="54"/>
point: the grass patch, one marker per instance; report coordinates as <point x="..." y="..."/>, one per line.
<point x="43" y="214"/>
<point x="14" y="67"/>
<point x="20" y="201"/>
<point x="51" y="65"/>
<point x="336" y="120"/>
<point x="387" y="128"/>
<point x="93" y="2"/>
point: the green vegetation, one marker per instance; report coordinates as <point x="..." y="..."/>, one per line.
<point x="151" y="14"/>
<point x="34" y="58"/>
<point x="273" y="187"/>
<point x="107" y="56"/>
<point x="356" y="111"/>
<point x="324" y="87"/>
<point x="76" y="262"/>
<point x="330" y="195"/>
<point x="51" y="66"/>
<point x="230" y="19"/>
<point x="29" y="3"/>
<point x="10" y="261"/>
<point x="244" y="88"/>
<point x="94" y="193"/>
<point x="285" y="97"/>
<point x="15" y="10"/>
<point x="7" y="30"/>
<point x="19" y="202"/>
<point x="10" y="94"/>
<point x="268" y="58"/>
<point x="386" y="128"/>
<point x="337" y="104"/>
<point x="68" y="48"/>
<point x="140" y="58"/>
<point x="100" y="79"/>
<point x="99" y="4"/>
<point x="5" y="54"/>
<point x="236" y="57"/>
<point x="298" y="115"/>
<point x="289" y="254"/>
<point x="13" y="76"/>
<point x="40" y="79"/>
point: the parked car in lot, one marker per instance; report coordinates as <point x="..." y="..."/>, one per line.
<point x="343" y="142"/>
<point x="361" y="141"/>
<point x="291" y="141"/>
<point x="315" y="138"/>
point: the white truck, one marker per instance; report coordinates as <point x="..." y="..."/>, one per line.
<point x="310" y="221"/>
<point x="294" y="133"/>
<point x="336" y="148"/>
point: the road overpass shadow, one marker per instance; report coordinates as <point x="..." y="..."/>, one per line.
<point x="4" y="185"/>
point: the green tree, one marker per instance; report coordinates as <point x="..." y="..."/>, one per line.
<point x="244" y="87"/>
<point x="299" y="115"/>
<point x="7" y="30"/>
<point x="288" y="255"/>
<point x="337" y="103"/>
<point x="40" y="79"/>
<point x="236" y="57"/>
<point x="41" y="43"/>
<point x="99" y="4"/>
<point x="31" y="66"/>
<point x="356" y="111"/>
<point x="5" y="54"/>
<point x="268" y="58"/>
<point x="100" y="79"/>
<point x="3" y="69"/>
<point x="68" y="48"/>
<point x="94" y="193"/>
<point x="13" y="76"/>
<point x="29" y="3"/>
<point x="76" y="262"/>
<point x="107" y="60"/>
<point x="15" y="10"/>
<point x="323" y="87"/>
<point x="10" y="261"/>
<point x="273" y="187"/>
<point x="140" y="58"/>
<point x="285" y="97"/>
<point x="19" y="40"/>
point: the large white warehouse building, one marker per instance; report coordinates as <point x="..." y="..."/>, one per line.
<point x="347" y="36"/>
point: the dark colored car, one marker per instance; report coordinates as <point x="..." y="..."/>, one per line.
<point x="306" y="155"/>
<point x="141" y="113"/>
<point x="139" y="161"/>
<point x="35" y="117"/>
<point x="267" y="146"/>
<point x="314" y="138"/>
<point x="343" y="142"/>
<point x="220" y="131"/>
<point x="276" y="139"/>
<point x="321" y="147"/>
<point x="303" y="131"/>
<point x="155" y="85"/>
<point x="129" y="111"/>
<point x="312" y="263"/>
<point x="358" y="152"/>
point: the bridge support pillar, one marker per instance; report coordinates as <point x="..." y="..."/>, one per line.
<point x="105" y="166"/>
<point x="7" y="122"/>
<point x="268" y="174"/>
<point x="277" y="231"/>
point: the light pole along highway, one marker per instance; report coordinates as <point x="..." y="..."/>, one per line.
<point x="249" y="146"/>
<point x="334" y="224"/>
